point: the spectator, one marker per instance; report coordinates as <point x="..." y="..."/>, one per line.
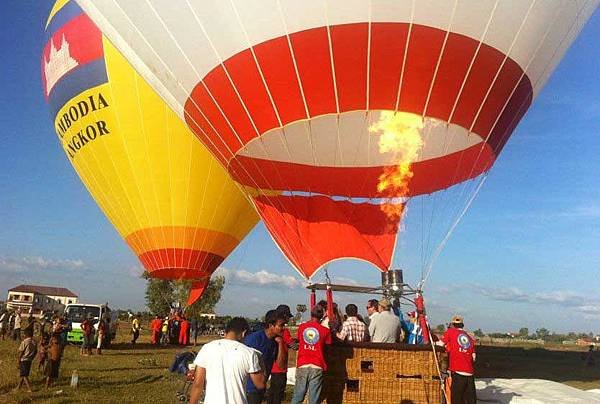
<point x="27" y="351"/>
<point x="165" y="332"/>
<point x="310" y="363"/>
<point x="135" y="329"/>
<point x="194" y="324"/>
<point x="16" y="333"/>
<point x="461" y="355"/>
<point x="3" y="324"/>
<point x="266" y="341"/>
<point x="385" y="326"/>
<point x="325" y="320"/>
<point x="353" y="329"/>
<point x="156" y="327"/>
<point x="88" y="335"/>
<point x="279" y="370"/>
<point x="372" y="310"/>
<point x="226" y="365"/>
<point x="184" y="331"/>
<point x="55" y="350"/>
<point x="100" y="333"/>
<point x="43" y="351"/>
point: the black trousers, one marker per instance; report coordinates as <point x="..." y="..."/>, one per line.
<point x="255" y="397"/>
<point x="463" y="389"/>
<point x="277" y="388"/>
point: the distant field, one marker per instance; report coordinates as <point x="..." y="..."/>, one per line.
<point x="123" y="375"/>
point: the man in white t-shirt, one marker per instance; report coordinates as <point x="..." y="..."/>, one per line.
<point x="225" y="366"/>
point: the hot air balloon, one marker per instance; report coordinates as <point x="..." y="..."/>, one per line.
<point x="336" y="115"/>
<point x="171" y="201"/>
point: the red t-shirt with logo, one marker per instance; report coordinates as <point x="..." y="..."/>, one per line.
<point x="312" y="338"/>
<point x="460" y="347"/>
<point x="287" y="340"/>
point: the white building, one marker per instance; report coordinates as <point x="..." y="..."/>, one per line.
<point x="36" y="299"/>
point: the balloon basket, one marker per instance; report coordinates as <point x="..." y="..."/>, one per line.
<point x="382" y="373"/>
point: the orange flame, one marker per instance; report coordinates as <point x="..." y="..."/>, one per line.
<point x="399" y="134"/>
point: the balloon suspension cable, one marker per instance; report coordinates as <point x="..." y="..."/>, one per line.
<point x="442" y="244"/>
<point x="327" y="278"/>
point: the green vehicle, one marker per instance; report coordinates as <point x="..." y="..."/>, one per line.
<point x="76" y="313"/>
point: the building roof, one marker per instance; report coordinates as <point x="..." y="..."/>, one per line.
<point x="43" y="290"/>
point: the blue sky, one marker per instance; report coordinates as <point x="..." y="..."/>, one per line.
<point x="525" y="254"/>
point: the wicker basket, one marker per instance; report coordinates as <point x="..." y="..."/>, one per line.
<point x="382" y="373"/>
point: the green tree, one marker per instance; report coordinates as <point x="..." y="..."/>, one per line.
<point x="159" y="294"/>
<point x="523" y="332"/>
<point x="440" y="328"/>
<point x="542" y="333"/>
<point x="300" y="310"/>
<point x="208" y="301"/>
<point x="478" y="333"/>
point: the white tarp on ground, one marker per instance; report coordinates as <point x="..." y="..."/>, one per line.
<point x="531" y="391"/>
<point x="520" y="391"/>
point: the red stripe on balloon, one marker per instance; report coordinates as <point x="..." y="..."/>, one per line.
<point x="492" y="113"/>
<point x="386" y="64"/>
<point x="429" y="175"/>
<point x="180" y="263"/>
<point x="321" y="229"/>
<point x="349" y="46"/>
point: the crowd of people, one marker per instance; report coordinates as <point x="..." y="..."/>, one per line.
<point x="236" y="368"/>
<point x="48" y="347"/>
<point x="174" y="329"/>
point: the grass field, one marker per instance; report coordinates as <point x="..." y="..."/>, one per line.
<point x="125" y="375"/>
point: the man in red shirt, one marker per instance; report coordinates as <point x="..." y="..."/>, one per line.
<point x="279" y="373"/>
<point x="461" y="354"/>
<point x="156" y="326"/>
<point x="310" y="363"/>
<point x="184" y="331"/>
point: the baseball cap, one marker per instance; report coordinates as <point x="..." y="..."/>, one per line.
<point x="457" y="319"/>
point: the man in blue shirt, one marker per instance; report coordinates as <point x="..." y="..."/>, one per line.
<point x="267" y="342"/>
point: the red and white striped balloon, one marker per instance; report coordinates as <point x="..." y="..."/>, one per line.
<point x="283" y="92"/>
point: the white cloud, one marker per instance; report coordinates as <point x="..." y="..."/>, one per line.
<point x="263" y="278"/>
<point x="24" y="264"/>
<point x="588" y="306"/>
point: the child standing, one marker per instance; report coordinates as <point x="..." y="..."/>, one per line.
<point x="43" y="351"/>
<point x="27" y="351"/>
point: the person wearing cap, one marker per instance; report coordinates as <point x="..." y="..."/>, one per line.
<point x="411" y="327"/>
<point x="461" y="355"/>
<point x="385" y="327"/>
<point x="276" y="390"/>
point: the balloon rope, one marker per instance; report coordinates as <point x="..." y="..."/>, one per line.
<point x="437" y="364"/>
<point x="449" y="233"/>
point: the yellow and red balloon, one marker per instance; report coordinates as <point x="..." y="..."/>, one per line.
<point x="167" y="196"/>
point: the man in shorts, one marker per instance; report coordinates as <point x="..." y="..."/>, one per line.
<point x="27" y="351"/>
<point x="88" y="336"/>
<point x="226" y="365"/>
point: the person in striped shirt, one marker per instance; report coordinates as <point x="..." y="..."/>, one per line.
<point x="353" y="329"/>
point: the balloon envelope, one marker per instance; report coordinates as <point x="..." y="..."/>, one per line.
<point x="300" y="97"/>
<point x="166" y="195"/>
